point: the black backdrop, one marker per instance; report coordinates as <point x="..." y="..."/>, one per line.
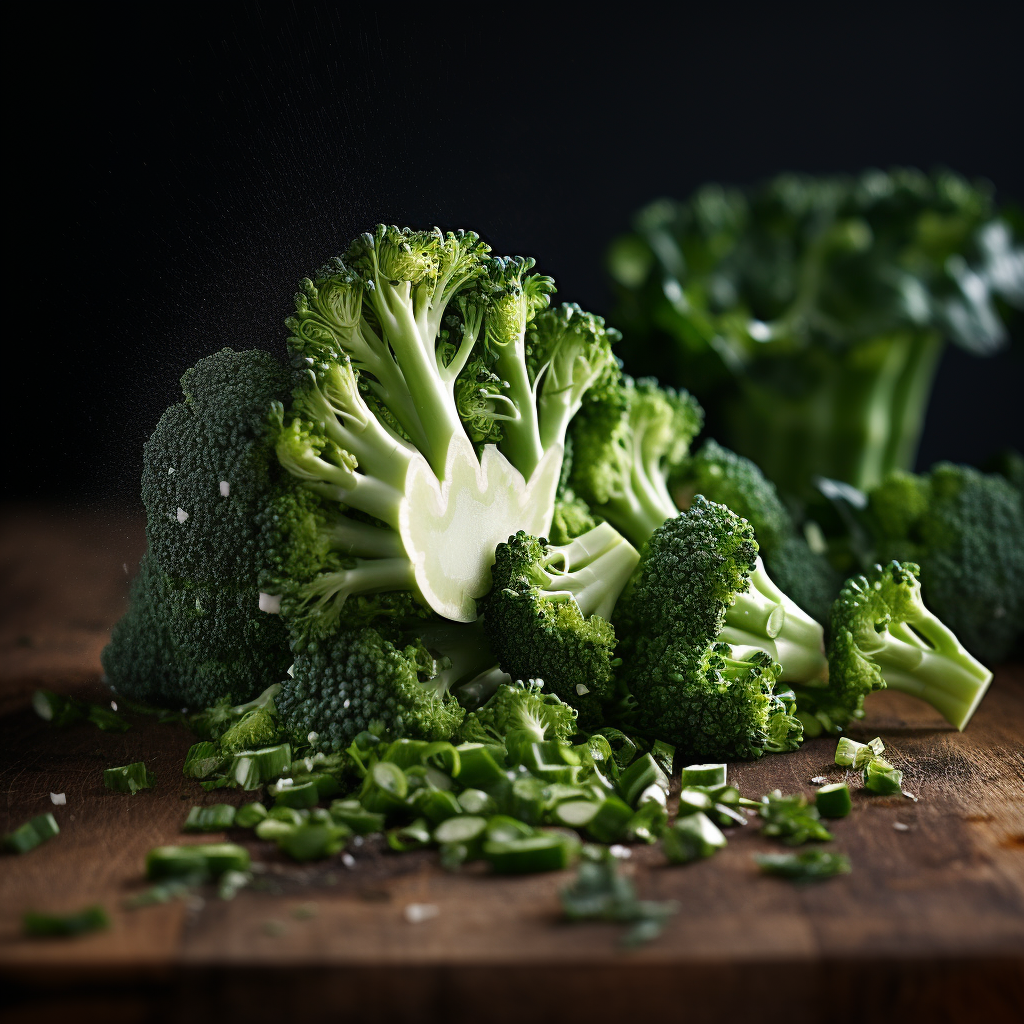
<point x="179" y="174"/>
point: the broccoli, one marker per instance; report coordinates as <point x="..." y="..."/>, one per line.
<point x="194" y="632"/>
<point x="343" y="684"/>
<point x="723" y="476"/>
<point x="705" y="635"/>
<point x="411" y="347"/>
<point x="965" y="529"/>
<point x="628" y="438"/>
<point x="548" y="609"/>
<point x="881" y="635"/>
<point x="809" y="313"/>
<point x="522" y="708"/>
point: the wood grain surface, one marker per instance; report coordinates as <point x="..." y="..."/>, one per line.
<point x="929" y="925"/>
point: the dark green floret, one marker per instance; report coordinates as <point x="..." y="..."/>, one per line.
<point x="705" y="636"/>
<point x="342" y="685"/>
<point x="548" y="610"/>
<point x="882" y="635"/>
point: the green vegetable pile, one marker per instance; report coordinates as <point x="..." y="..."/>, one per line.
<point x="449" y="574"/>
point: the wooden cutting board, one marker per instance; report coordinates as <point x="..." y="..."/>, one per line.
<point x="929" y="925"/>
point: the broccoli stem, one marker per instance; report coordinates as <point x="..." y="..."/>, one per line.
<point x="351" y="537"/>
<point x="521" y="441"/>
<point x="594" y="569"/>
<point x="937" y="669"/>
<point x="765" y="618"/>
<point x="857" y="414"/>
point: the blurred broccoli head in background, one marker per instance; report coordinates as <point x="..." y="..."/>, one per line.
<point x="809" y="313"/>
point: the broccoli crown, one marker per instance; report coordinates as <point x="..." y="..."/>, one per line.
<point x="546" y="613"/>
<point x="705" y="635"/>
<point x="964" y="529"/>
<point x="208" y="468"/>
<point x="522" y="706"/>
<point x="723" y="476"/>
<point x="343" y="684"/>
<point x="798" y="259"/>
<point x="628" y="438"/>
<point x="882" y="635"/>
<point x="690" y="572"/>
<point x="571" y="518"/>
<point x="194" y="632"/>
<point x="435" y="392"/>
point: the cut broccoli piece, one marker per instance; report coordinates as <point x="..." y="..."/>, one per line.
<point x="628" y="438"/>
<point x="548" y="610"/>
<point x="705" y="636"/>
<point x="520" y="706"/>
<point x="965" y="530"/>
<point x="881" y="635"/>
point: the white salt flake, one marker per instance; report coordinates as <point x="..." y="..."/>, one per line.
<point x="818" y="780"/>
<point x="357" y="840"/>
<point x="270" y="603"/>
<point x="225" y="489"/>
<point x="182" y="515"/>
<point x="124" y="565"/>
<point x="170" y="470"/>
<point x="582" y="690"/>
<point x="622" y="852"/>
<point x="312" y="738"/>
<point x="345" y="703"/>
<point x="900" y="827"/>
<point x="348" y="860"/>
<point x="113" y="705"/>
<point x="416" y="913"/>
<point x="910" y="796"/>
<point x="58" y="799"/>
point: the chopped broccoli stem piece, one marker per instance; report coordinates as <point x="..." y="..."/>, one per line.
<point x="806" y="866"/>
<point x="128" y="779"/>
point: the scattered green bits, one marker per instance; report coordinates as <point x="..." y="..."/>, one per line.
<point x="128" y="779"/>
<point x="834" y="801"/>
<point x="881" y="777"/>
<point x="806" y="866"/>
<point x="692" y="837"/>
<point x="250" y="815"/>
<point x="91" y="919"/>
<point x="792" y="819"/>
<point x="32" y="834"/>
<point x="190" y="861"/>
<point x="214" y="818"/>
<point x="703" y="775"/>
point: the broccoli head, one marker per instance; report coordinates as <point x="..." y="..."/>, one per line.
<point x="548" y="609"/>
<point x="194" y="632"/>
<point x="705" y="635"/>
<point x="882" y="635"/>
<point x="628" y="438"/>
<point x="964" y="528"/>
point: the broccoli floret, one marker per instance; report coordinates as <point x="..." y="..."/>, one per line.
<point x="705" y="635"/>
<point x="964" y="529"/>
<point x="723" y="476"/>
<point x="524" y="707"/>
<point x="194" y="632"/>
<point x="548" y="610"/>
<point x="881" y="635"/>
<point x="628" y="438"/>
<point x="412" y="348"/>
<point x="342" y="684"/>
<point x="240" y="726"/>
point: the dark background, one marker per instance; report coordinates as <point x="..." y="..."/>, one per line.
<point x="179" y="175"/>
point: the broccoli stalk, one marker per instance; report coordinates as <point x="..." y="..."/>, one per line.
<point x="376" y="430"/>
<point x="882" y="635"/>
<point x="548" y="609"/>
